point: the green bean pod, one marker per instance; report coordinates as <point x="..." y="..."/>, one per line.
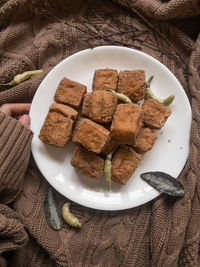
<point x="165" y="102"/>
<point x="69" y="218"/>
<point x="150" y="95"/>
<point x="108" y="169"/>
<point x="121" y="97"/>
<point x="148" y="82"/>
<point x="108" y="173"/>
<point x="19" y="78"/>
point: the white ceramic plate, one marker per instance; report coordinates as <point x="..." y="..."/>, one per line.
<point x="169" y="153"/>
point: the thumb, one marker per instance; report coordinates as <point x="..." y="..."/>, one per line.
<point x="25" y="120"/>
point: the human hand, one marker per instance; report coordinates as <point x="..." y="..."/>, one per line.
<point x="17" y="111"/>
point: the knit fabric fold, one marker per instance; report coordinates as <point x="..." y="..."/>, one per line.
<point x="12" y="232"/>
<point x="38" y="35"/>
<point x="15" y="141"/>
<point x="164" y="10"/>
<point x="31" y="254"/>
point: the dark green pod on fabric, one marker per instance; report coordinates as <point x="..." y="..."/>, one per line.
<point x="52" y="210"/>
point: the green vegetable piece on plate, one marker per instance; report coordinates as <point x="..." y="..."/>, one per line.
<point x="121" y="97"/>
<point x="108" y="169"/>
<point x="150" y="95"/>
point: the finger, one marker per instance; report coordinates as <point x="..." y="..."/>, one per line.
<point x="15" y="109"/>
<point x="25" y="120"/>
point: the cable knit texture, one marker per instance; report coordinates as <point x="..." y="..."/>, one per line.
<point x="165" y="10"/>
<point x="38" y="35"/>
<point x="12" y="232"/>
<point x="15" y="141"/>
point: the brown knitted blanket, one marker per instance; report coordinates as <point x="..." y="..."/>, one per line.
<point x="39" y="34"/>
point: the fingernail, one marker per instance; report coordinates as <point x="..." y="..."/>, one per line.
<point x="25" y="119"/>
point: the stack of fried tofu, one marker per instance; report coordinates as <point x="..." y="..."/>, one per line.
<point x="105" y="123"/>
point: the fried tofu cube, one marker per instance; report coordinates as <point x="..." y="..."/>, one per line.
<point x="57" y="128"/>
<point x="86" y="104"/>
<point x="103" y="105"/>
<point x="126" y="124"/>
<point x="132" y="84"/>
<point x="155" y="114"/>
<point x="90" y="135"/>
<point x="109" y="146"/>
<point x="105" y="79"/>
<point x="124" y="163"/>
<point x="70" y="92"/>
<point x="87" y="162"/>
<point x="145" y="140"/>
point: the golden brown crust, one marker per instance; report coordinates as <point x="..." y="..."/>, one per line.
<point x="105" y="79"/>
<point x="70" y="92"/>
<point x="126" y="123"/>
<point x="56" y="129"/>
<point x="86" y="104"/>
<point x="65" y="110"/>
<point x="87" y="162"/>
<point x="132" y="84"/>
<point x="103" y="105"/>
<point x="90" y="135"/>
<point x="145" y="140"/>
<point x="124" y="163"/>
<point x="155" y="114"/>
<point x="109" y="146"/>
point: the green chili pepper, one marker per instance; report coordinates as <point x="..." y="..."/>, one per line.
<point x="108" y="173"/>
<point x="148" y="82"/>
<point x="108" y="169"/>
<point x="69" y="217"/>
<point x="150" y="95"/>
<point x="121" y="97"/>
<point x="19" y="78"/>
